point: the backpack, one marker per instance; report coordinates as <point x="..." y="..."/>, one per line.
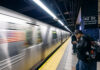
<point x="85" y="51"/>
<point x="97" y="52"/>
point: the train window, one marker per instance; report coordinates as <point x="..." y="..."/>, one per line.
<point x="39" y="37"/>
<point x="11" y="26"/>
<point x="54" y="35"/>
<point x="29" y="40"/>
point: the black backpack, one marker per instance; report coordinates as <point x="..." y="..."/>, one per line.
<point x="85" y="50"/>
<point x="97" y="53"/>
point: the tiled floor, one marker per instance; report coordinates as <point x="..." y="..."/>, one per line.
<point x="66" y="61"/>
<point x="98" y="66"/>
<point x="68" y="65"/>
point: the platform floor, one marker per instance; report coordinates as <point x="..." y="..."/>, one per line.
<point x="61" y="59"/>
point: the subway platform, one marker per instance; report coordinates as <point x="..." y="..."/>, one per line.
<point x="61" y="59"/>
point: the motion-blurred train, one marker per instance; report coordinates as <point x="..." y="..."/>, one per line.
<point x="25" y="42"/>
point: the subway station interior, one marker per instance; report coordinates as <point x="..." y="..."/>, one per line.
<point x="49" y="34"/>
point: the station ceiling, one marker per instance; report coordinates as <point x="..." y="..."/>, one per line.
<point x="66" y="10"/>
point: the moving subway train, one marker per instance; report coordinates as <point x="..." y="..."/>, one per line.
<point x="25" y="42"/>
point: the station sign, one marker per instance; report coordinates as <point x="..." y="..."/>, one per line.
<point x="89" y="13"/>
<point x="90" y="21"/>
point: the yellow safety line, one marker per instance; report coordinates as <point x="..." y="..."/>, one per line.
<point x="53" y="62"/>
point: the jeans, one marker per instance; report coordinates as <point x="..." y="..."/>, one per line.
<point x="87" y="66"/>
<point x="77" y="65"/>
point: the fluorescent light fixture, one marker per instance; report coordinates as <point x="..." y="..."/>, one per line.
<point x="61" y="22"/>
<point x="45" y="8"/>
<point x="67" y="28"/>
<point x="38" y="2"/>
<point x="63" y="25"/>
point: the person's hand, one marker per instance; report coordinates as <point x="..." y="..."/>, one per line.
<point x="74" y="42"/>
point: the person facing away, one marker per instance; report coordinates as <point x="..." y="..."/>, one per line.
<point x="85" y="52"/>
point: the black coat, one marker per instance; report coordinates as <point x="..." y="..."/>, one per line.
<point x="84" y="48"/>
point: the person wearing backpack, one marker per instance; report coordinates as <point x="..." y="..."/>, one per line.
<point x="85" y="52"/>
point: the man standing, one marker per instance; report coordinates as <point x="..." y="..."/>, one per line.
<point x="75" y="65"/>
<point x="86" y="54"/>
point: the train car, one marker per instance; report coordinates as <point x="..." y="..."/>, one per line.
<point x="25" y="42"/>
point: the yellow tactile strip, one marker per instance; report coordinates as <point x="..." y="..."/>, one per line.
<point x="54" y="60"/>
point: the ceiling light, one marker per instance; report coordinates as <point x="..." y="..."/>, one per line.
<point x="38" y="2"/>
<point x="45" y="8"/>
<point x="61" y="22"/>
<point x="67" y="28"/>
